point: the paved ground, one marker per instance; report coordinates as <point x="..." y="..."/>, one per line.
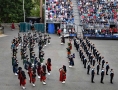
<point x="77" y="79"/>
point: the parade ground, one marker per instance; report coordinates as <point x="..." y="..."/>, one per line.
<point x="77" y="78"/>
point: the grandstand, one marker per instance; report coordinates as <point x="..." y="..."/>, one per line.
<point x="99" y="18"/>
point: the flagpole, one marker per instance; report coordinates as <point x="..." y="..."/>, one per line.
<point x="23" y="11"/>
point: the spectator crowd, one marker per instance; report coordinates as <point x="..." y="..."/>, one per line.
<point x="102" y="15"/>
<point x="59" y="10"/>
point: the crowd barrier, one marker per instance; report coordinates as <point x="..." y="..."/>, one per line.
<point x="25" y="27"/>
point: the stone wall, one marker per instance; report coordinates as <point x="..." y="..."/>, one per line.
<point x="1" y="30"/>
<point x="9" y="25"/>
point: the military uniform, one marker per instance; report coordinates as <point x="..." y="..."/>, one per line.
<point x="92" y="75"/>
<point x="107" y="68"/>
<point x="102" y="76"/>
<point x="88" y="67"/>
<point x="98" y="67"/>
<point x="111" y="76"/>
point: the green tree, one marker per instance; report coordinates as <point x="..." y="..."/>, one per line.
<point x="12" y="10"/>
<point x="36" y="10"/>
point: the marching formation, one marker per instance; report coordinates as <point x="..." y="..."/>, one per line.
<point x="33" y="65"/>
<point x="36" y="67"/>
<point x="70" y="57"/>
<point x="92" y="58"/>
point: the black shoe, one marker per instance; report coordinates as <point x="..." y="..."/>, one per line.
<point x="111" y="82"/>
<point x="97" y="74"/>
<point x="106" y="74"/>
<point x="93" y="82"/>
<point x="102" y="82"/>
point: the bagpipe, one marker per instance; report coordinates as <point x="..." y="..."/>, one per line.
<point x="47" y="37"/>
<point x="40" y="35"/>
<point x="69" y="44"/>
<point x="42" y="53"/>
<point x="72" y="56"/>
<point x="43" y="70"/>
<point x="68" y="49"/>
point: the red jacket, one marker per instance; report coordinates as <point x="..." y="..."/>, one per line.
<point x="62" y="76"/>
<point x="12" y="26"/>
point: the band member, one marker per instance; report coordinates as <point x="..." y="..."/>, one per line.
<point x="68" y="51"/>
<point x="73" y="55"/>
<point x="75" y="43"/>
<point x="26" y="64"/>
<point x="88" y="67"/>
<point x="71" y="61"/>
<point x="43" y="74"/>
<point x="107" y="68"/>
<point x="41" y="57"/>
<point x="39" y="69"/>
<point x="92" y="75"/>
<point x="30" y="72"/>
<point x="111" y="76"/>
<point x="93" y="60"/>
<point x="98" y="67"/>
<point x="32" y="58"/>
<point x="62" y="40"/>
<point x="99" y="59"/>
<point x="85" y="60"/>
<point x="59" y="32"/>
<point x="31" y="51"/>
<point x="24" y="58"/>
<point x="49" y="39"/>
<point x="40" y="46"/>
<point x="62" y="74"/>
<point x="15" y="67"/>
<point x="48" y="65"/>
<point x="103" y="61"/>
<point x="13" y="60"/>
<point x="45" y="40"/>
<point x="102" y="75"/>
<point x="70" y="45"/>
<point x="36" y="62"/>
<point x="33" y="77"/>
<point x="23" y="79"/>
<point x="41" y="60"/>
<point x="19" y="74"/>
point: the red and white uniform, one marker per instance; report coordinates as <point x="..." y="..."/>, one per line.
<point x="43" y="76"/>
<point x="48" y="66"/>
<point x="62" y="75"/>
<point x="39" y="71"/>
<point x="12" y="26"/>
